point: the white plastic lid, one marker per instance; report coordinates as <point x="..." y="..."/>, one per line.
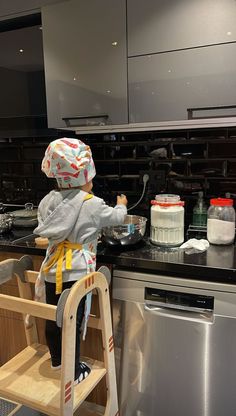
<point x="167" y="198"/>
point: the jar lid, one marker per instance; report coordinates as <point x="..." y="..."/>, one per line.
<point x="167" y="204"/>
<point x="222" y="202"/>
<point x="167" y="198"/>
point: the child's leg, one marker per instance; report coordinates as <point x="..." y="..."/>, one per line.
<point x="52" y="332"/>
<point x="81" y="368"/>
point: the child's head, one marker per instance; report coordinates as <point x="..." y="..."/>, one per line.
<point x="70" y="162"/>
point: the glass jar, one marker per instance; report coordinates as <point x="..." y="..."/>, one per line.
<point x="167" y="220"/>
<point x="221" y="221"/>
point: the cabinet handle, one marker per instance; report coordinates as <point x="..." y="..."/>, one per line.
<point x="88" y="117"/>
<point x="220" y="107"/>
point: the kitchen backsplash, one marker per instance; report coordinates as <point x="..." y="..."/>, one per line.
<point x="182" y="162"/>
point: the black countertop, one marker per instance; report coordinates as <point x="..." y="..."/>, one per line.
<point x="218" y="263"/>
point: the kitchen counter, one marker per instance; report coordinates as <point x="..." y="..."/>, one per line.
<point x="218" y="263"/>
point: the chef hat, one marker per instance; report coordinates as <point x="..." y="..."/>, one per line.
<point x="70" y="162"/>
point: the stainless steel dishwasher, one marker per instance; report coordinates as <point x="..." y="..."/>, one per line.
<point x="175" y="345"/>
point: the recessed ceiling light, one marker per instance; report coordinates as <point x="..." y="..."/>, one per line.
<point x="21" y="50"/>
<point x="108" y="91"/>
<point x="114" y="43"/>
<point x="229" y="33"/>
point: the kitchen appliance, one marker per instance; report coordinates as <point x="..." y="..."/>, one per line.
<point x="129" y="233"/>
<point x="25" y="217"/>
<point x="167" y="220"/>
<point x="175" y="345"/>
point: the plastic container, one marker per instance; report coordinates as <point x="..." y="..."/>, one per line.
<point x="221" y="221"/>
<point x="167" y="220"/>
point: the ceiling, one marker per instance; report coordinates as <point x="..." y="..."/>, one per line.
<point x="28" y="39"/>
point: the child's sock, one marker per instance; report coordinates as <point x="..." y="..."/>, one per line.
<point x="81" y="372"/>
<point x="56" y="367"/>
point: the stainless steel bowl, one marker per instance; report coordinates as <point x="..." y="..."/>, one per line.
<point x="131" y="232"/>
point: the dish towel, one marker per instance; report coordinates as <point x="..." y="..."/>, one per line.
<point x="195" y="246"/>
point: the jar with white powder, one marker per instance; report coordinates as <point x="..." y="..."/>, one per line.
<point x="221" y="221"/>
<point x="167" y="220"/>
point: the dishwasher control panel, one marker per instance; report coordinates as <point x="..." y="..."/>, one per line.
<point x="181" y="300"/>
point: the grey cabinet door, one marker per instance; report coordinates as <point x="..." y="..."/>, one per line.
<point x="164" y="25"/>
<point x="163" y="86"/>
<point x="85" y="62"/>
<point x="10" y="9"/>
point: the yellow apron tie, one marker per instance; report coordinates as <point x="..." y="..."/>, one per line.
<point x="63" y="249"/>
<point x="89" y="196"/>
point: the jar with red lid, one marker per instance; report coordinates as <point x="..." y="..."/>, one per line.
<point x="167" y="220"/>
<point x="221" y="221"/>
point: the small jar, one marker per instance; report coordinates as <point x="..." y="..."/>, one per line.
<point x="167" y="220"/>
<point x="221" y="221"/>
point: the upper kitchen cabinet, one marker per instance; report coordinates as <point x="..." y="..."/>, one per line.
<point x="85" y="62"/>
<point x="165" y="25"/>
<point x="16" y="8"/>
<point x="163" y="86"/>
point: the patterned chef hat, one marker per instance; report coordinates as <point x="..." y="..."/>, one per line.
<point x="70" y="162"/>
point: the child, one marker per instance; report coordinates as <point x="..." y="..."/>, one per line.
<point x="71" y="218"/>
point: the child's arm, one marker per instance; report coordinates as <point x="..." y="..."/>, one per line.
<point x="106" y="216"/>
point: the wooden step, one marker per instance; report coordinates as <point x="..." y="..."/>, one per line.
<point x="90" y="409"/>
<point x="28" y="379"/>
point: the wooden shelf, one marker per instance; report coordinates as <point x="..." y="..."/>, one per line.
<point x="28" y="378"/>
<point x="124" y="160"/>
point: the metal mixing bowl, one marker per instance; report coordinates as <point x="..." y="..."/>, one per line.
<point x="131" y="232"/>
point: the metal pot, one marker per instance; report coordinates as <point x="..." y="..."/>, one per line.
<point x="25" y="217"/>
<point x="131" y="232"/>
<point x="6" y="221"/>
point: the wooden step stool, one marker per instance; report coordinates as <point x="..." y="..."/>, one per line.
<point x="28" y="378"/>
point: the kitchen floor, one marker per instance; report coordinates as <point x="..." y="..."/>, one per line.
<point x="7" y="408"/>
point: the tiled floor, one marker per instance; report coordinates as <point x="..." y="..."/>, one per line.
<point x="25" y="411"/>
<point x="6" y="408"/>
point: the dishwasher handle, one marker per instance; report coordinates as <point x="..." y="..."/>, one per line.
<point x="158" y="305"/>
<point x="181" y="314"/>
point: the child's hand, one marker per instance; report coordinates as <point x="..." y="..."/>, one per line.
<point x="121" y="200"/>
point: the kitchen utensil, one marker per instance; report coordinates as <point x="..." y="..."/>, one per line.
<point x="145" y="180"/>
<point x="25" y="217"/>
<point x="160" y="153"/>
<point x="6" y="221"/>
<point x="129" y="233"/>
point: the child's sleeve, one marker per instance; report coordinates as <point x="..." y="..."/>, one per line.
<point x="105" y="216"/>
